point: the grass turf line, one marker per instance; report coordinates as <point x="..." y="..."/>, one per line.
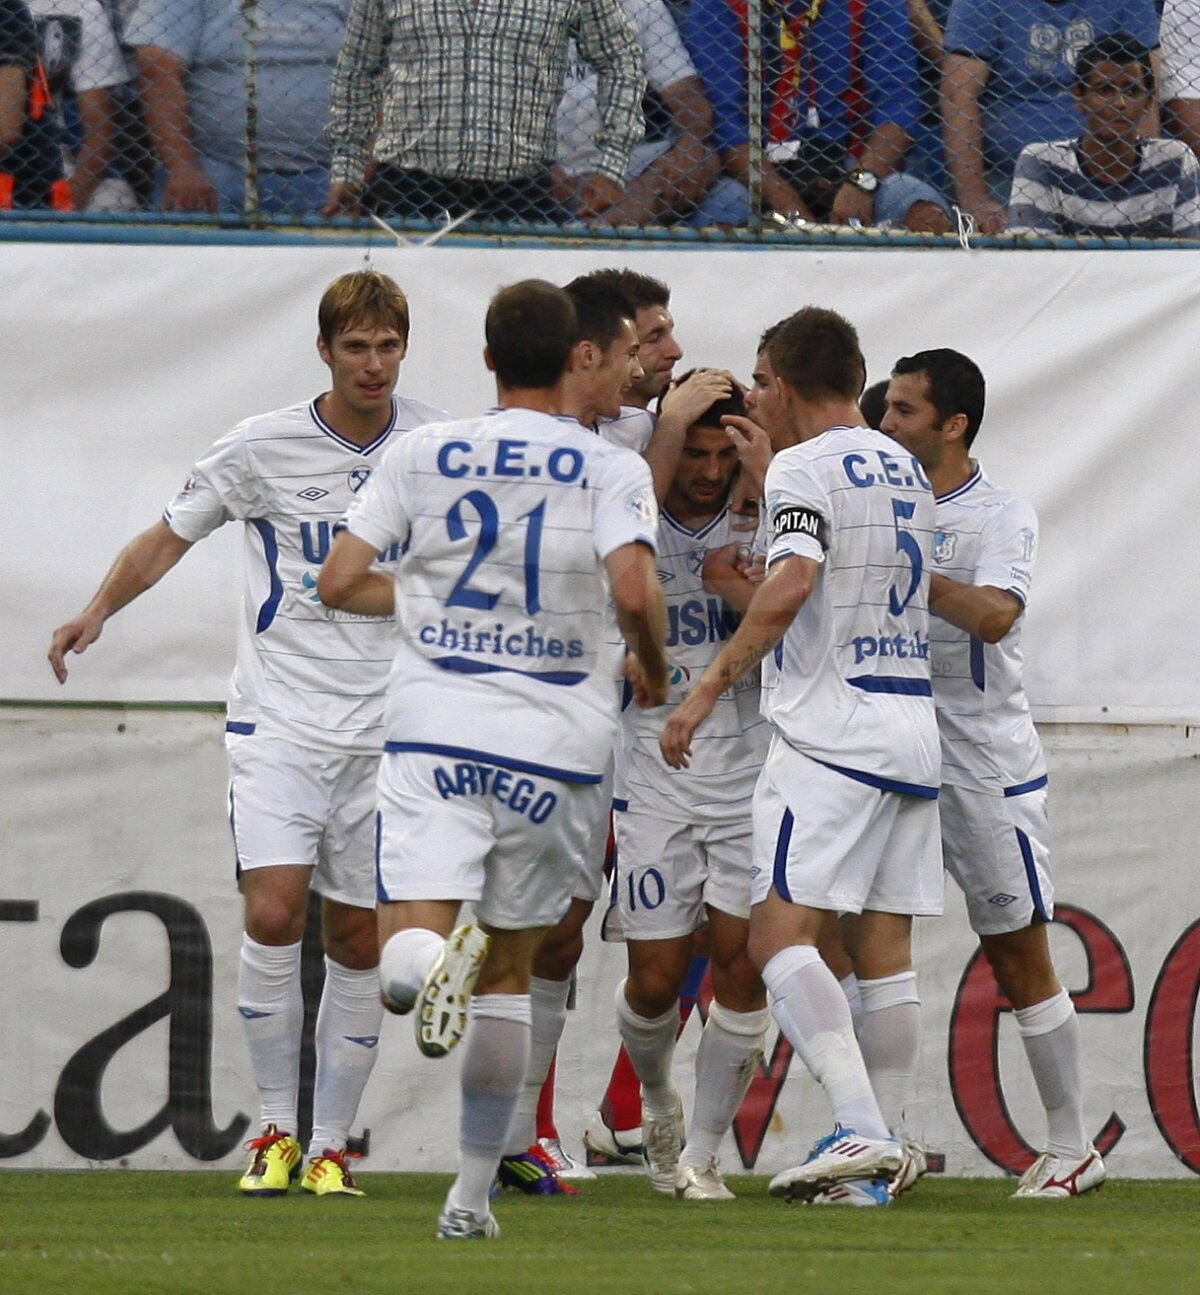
<point x="117" y="1232"/>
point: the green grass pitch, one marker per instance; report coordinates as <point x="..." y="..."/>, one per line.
<point x="126" y="1233"/>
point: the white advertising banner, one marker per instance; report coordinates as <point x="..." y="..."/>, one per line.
<point x="120" y="927"/>
<point x="122" y="364"/>
<point x="119" y="919"/>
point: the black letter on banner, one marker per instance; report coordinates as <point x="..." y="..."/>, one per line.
<point x="16" y="1144"/>
<point x="187" y="1003"/>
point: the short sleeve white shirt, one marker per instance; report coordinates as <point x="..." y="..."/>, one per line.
<point x="304" y="671"/>
<point x="849" y="685"/>
<point x="985" y="536"/>
<point x="503" y="598"/>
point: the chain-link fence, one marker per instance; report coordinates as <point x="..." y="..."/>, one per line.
<point x="926" y="117"/>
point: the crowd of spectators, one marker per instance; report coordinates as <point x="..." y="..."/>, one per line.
<point x="927" y="115"/>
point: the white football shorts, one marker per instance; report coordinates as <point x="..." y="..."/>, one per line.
<point x="668" y="872"/>
<point x="830" y="842"/>
<point x="508" y="842"/>
<point x="292" y="805"/>
<point x="591" y="882"/>
<point x="998" y="850"/>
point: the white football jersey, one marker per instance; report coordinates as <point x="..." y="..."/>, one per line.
<point x="849" y="684"/>
<point x="729" y="748"/>
<point x="502" y="594"/>
<point x="304" y="672"/>
<point x="632" y="428"/>
<point x="985" y="536"/>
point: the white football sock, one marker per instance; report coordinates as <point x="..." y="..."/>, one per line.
<point x="495" y="1055"/>
<point x="404" y="962"/>
<point x="347" y="1043"/>
<point x="651" y="1047"/>
<point x="549" y="1003"/>
<point x="729" y="1052"/>
<point x="890" y="1039"/>
<point x="271" y="1005"/>
<point x="1050" y="1032"/>
<point x="853" y="994"/>
<point x="810" y="1008"/>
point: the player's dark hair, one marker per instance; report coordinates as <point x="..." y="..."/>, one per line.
<point x="530" y="329"/>
<point x="640" y="290"/>
<point x="768" y="336"/>
<point x="873" y="403"/>
<point x="1118" y="48"/>
<point x="362" y="299"/>
<point x="956" y="385"/>
<point x="601" y="309"/>
<point x="816" y="352"/>
<point x="734" y="403"/>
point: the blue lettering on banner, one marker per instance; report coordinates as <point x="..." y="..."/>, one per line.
<point x="522" y="795"/>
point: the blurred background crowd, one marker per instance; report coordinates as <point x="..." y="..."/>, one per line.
<point x="1068" y="117"/>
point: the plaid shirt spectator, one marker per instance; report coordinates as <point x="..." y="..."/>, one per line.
<point x="471" y="90"/>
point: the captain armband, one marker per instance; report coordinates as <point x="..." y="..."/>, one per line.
<point x="795" y="519"/>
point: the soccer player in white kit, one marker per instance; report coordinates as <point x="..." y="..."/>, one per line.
<point x="995" y="833"/>
<point x="684" y="843"/>
<point x="305" y="717"/>
<point x="517" y="529"/>
<point x="845" y="816"/>
<point x="608" y="369"/>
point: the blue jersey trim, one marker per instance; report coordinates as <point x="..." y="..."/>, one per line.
<point x="973" y="480"/>
<point x="880" y="783"/>
<point x="1035" y="891"/>
<point x="351" y="445"/>
<point x="782" y="841"/>
<point x="892" y="683"/>
<point x="1034" y="784"/>
<point x="380" y="894"/>
<point x="236" y="726"/>
<point x="677" y="525"/>
<point x="978" y="672"/>
<point x="621" y="806"/>
<point x="467" y="665"/>
<point x="266" y="613"/>
<point x="504" y="761"/>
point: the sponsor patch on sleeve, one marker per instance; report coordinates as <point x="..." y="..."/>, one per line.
<point x="793" y="519"/>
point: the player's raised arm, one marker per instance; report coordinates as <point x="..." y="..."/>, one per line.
<point x="772" y="609"/>
<point x="139" y="566"/>
<point x="642" y="617"/>
<point x="346" y="580"/>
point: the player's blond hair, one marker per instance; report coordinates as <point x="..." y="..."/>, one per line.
<point x="363" y="298"/>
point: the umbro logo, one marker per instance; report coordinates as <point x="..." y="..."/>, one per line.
<point x="1002" y="900"/>
<point x="312" y="494"/>
<point x="665" y="577"/>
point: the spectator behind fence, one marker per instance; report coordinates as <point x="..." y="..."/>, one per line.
<point x="29" y="162"/>
<point x="840" y="101"/>
<point x="1110" y="180"/>
<point x="1181" y="69"/>
<point x="673" y="167"/>
<point x="192" y="60"/>
<point x="460" y="102"/>
<point x="1007" y="78"/>
<point x="75" y="56"/>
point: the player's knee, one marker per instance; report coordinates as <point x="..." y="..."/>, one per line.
<point x="272" y="919"/>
